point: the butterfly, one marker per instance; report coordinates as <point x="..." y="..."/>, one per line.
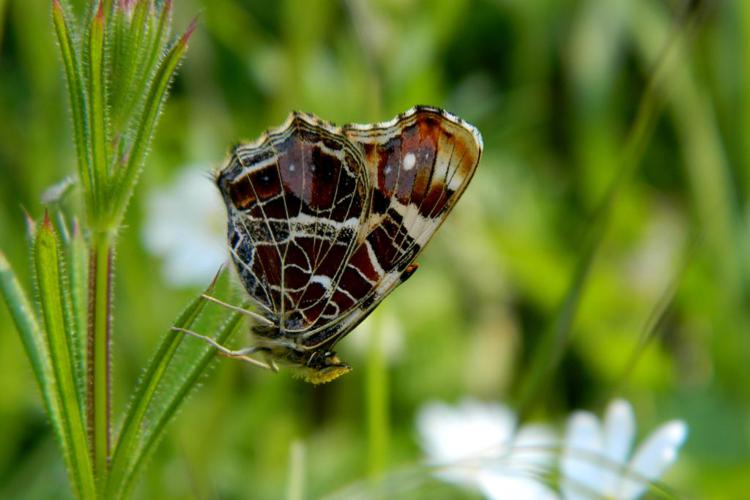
<point x="324" y="222"/>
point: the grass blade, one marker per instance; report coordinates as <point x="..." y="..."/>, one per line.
<point x="77" y="97"/>
<point x="126" y="178"/>
<point x="654" y="324"/>
<point x="145" y="392"/>
<point x="557" y="336"/>
<point x="49" y="275"/>
<point x="176" y="395"/>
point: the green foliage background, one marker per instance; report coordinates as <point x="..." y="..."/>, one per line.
<point x="554" y="86"/>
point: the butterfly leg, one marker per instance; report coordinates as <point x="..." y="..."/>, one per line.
<point x="252" y="314"/>
<point x="241" y="354"/>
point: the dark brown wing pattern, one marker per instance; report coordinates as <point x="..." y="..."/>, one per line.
<point x="295" y="201"/>
<point x="418" y="166"/>
<point x="324" y="221"/>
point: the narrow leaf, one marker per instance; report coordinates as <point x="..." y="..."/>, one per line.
<point x="127" y="177"/>
<point x="154" y="46"/>
<point x="76" y="254"/>
<point x="77" y="97"/>
<point x="175" y="396"/>
<point x="35" y="347"/>
<point x="98" y="107"/>
<point x="133" y="54"/>
<point x="118" y="34"/>
<point x="71" y="320"/>
<point x="24" y="318"/>
<point x="145" y="392"/>
<point x="49" y="275"/>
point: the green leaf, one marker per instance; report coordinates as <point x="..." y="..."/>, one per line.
<point x="153" y="47"/>
<point x="133" y="425"/>
<point x="77" y="97"/>
<point x="48" y="264"/>
<point x="23" y="317"/>
<point x="118" y="35"/>
<point x="174" y="394"/>
<point x="127" y="177"/>
<point x="35" y="347"/>
<point x="77" y="253"/>
<point x="132" y="60"/>
<point x="98" y="110"/>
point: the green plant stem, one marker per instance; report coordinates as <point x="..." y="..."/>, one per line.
<point x="97" y="347"/>
<point x="377" y="402"/>
<point x="296" y="483"/>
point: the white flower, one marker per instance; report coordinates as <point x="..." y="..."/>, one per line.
<point x="596" y="463"/>
<point x="477" y="445"/>
<point x="185" y="225"/>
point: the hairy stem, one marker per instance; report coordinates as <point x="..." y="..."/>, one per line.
<point x="97" y="351"/>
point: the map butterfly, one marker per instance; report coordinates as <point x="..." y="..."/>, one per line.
<point x="324" y="222"/>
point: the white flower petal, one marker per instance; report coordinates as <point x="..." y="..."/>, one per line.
<point x="652" y="458"/>
<point x="619" y="430"/>
<point x="504" y="486"/>
<point x="534" y="445"/>
<point x="463" y="439"/>
<point x="471" y="429"/>
<point x="581" y="467"/>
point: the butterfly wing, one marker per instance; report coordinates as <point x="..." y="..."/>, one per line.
<point x="418" y="165"/>
<point x="296" y="200"/>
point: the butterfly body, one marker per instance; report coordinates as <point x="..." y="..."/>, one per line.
<point x="325" y="221"/>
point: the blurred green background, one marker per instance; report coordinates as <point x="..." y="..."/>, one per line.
<point x="554" y="87"/>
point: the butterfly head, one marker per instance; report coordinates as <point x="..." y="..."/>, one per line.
<point x="321" y="366"/>
<point x="317" y="366"/>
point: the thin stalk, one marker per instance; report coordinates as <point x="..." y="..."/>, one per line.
<point x="377" y="402"/>
<point x="296" y="485"/>
<point x="97" y="351"/>
<point x="556" y="338"/>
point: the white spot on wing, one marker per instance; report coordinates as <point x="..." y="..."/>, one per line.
<point x="409" y="161"/>
<point x="323" y="280"/>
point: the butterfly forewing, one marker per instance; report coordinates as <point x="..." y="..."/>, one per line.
<point x="295" y="204"/>
<point x="418" y="167"/>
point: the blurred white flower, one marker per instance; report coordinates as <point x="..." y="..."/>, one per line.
<point x="478" y="445"/>
<point x="596" y="459"/>
<point x="185" y="225"/>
